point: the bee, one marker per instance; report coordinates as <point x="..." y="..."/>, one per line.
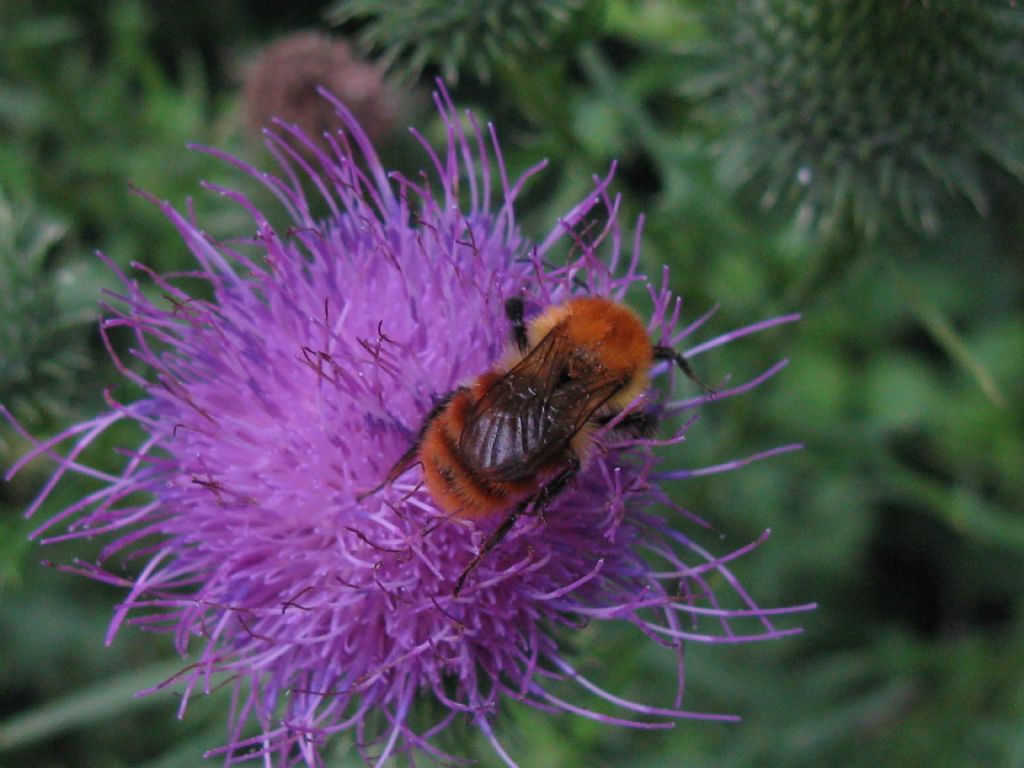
<point x="516" y="436"/>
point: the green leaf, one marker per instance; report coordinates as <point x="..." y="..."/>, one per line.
<point x="96" y="705"/>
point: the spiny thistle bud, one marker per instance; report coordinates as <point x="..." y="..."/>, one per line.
<point x="856" y="108"/>
<point x="270" y="407"/>
<point x="39" y="358"/>
<point x="473" y="34"/>
<point x="282" y="83"/>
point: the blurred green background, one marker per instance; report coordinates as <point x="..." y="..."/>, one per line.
<point x="859" y="161"/>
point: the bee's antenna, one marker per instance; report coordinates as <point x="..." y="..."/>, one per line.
<point x="662" y="352"/>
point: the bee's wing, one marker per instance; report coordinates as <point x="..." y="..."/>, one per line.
<point x="527" y="417"/>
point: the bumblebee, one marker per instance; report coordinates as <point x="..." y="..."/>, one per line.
<point x="514" y="438"/>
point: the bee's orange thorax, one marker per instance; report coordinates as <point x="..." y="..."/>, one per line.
<point x="611" y="332"/>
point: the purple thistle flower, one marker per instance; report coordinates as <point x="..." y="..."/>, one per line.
<point x="269" y="408"/>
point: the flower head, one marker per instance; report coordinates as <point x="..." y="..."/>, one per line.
<point x="479" y="37"/>
<point x="272" y="406"/>
<point x="865" y="109"/>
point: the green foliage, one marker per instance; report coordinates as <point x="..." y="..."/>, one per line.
<point x="42" y="355"/>
<point x="85" y="126"/>
<point x="862" y="108"/>
<point x="477" y="35"/>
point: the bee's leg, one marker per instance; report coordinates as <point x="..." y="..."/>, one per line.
<point x="492" y="541"/>
<point x="514" y="312"/>
<point x="539" y="500"/>
<point x="553" y="487"/>
<point x="635" y="424"/>
<point x="404" y="463"/>
<point x="409" y="458"/>
<point x="668" y="353"/>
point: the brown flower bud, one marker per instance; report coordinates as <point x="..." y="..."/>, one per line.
<point x="283" y="79"/>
